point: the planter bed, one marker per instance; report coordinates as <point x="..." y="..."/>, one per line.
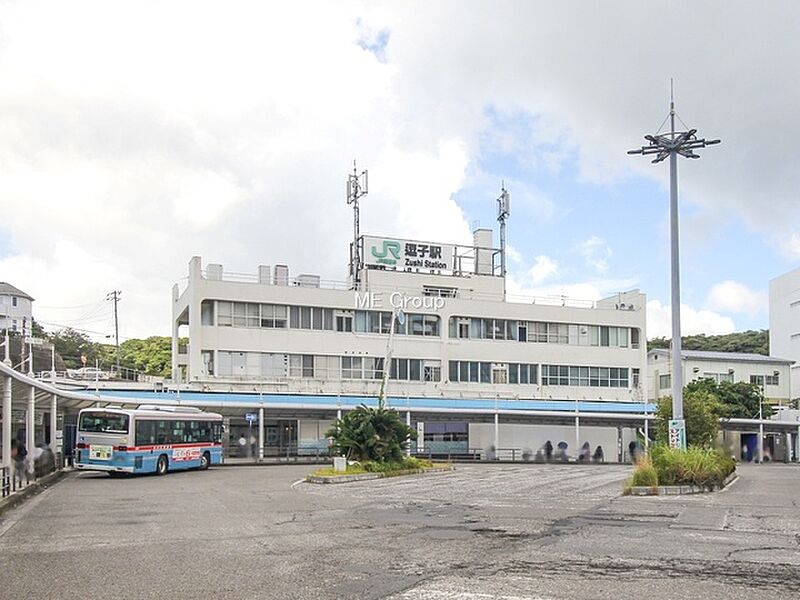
<point x="676" y="490"/>
<point x="345" y="478"/>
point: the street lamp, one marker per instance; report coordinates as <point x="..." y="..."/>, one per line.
<point x="399" y="317"/>
<point x="662" y="145"/>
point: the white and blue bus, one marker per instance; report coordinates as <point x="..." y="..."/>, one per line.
<point x="149" y="439"/>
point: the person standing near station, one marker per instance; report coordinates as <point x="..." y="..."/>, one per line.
<point x="18" y="455"/>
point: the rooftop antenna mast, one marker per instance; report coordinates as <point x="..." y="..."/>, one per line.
<point x="357" y="187"/>
<point x="503" y="212"/>
<point x="671" y="144"/>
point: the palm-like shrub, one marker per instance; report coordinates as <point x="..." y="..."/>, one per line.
<point x="377" y="434"/>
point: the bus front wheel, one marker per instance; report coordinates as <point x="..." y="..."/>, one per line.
<point x="162" y="465"/>
<point x="205" y="460"/>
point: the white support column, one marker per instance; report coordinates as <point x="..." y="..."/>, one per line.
<point x="646" y="433"/>
<point x="7" y="421"/>
<point x="30" y="425"/>
<point x="577" y="431"/>
<point x="797" y="446"/>
<point x="7" y="406"/>
<point x="760" y="442"/>
<point x="261" y="434"/>
<point x="408" y="424"/>
<point x="53" y="423"/>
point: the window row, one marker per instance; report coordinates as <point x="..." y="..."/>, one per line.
<point x="280" y="366"/>
<point x="175" y="431"/>
<point x="275" y="316"/>
<point x="548" y="333"/>
<point x="463" y="371"/>
<point x="576" y="376"/>
<point x="719" y="377"/>
<point x="765" y="379"/>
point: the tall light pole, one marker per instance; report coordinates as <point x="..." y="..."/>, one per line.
<point x="663" y="145"/>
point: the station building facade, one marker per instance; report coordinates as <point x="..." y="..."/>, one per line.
<point x="784" y="323"/>
<point x="771" y="374"/>
<point x="456" y="336"/>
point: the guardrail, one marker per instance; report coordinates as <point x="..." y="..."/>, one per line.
<point x="505" y="455"/>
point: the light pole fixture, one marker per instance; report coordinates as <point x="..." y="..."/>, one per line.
<point x="671" y="144"/>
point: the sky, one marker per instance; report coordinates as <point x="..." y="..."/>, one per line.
<point x="134" y="135"/>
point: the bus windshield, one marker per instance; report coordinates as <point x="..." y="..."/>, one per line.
<point x="104" y="423"/>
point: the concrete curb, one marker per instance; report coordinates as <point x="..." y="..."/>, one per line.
<point x="33" y="489"/>
<point x="678" y="490"/>
<point x="274" y="464"/>
<point x="333" y="479"/>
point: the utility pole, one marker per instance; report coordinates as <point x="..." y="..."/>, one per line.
<point x="671" y="144"/>
<point x="115" y="296"/>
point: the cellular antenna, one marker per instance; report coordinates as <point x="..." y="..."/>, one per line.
<point x="662" y="145"/>
<point x="357" y="187"/>
<point x="503" y="212"/>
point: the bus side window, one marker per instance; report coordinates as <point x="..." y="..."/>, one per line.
<point x="145" y="433"/>
<point x="177" y="432"/>
<point x="163" y="434"/>
<point x="193" y="432"/>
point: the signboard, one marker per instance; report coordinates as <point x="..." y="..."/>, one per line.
<point x="399" y="254"/>
<point x="19" y="416"/>
<point x="250" y="417"/>
<point x="677" y="433"/>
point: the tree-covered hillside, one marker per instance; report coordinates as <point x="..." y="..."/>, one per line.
<point x="756" y="342"/>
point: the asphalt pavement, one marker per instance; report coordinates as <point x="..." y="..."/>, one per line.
<point x="483" y="531"/>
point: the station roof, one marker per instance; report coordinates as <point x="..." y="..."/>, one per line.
<point x="725" y="356"/>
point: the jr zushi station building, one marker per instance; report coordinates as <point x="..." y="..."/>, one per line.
<point x="471" y="368"/>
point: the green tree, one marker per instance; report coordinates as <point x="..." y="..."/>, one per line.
<point x="377" y="434"/>
<point x="738" y="400"/>
<point x="755" y="342"/>
<point x="71" y="345"/>
<point x="701" y="411"/>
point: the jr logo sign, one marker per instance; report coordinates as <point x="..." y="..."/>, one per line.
<point x="389" y="254"/>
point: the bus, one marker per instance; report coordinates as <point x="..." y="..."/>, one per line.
<point x="149" y="439"/>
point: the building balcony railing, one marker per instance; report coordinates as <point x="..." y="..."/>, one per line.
<point x="456" y="293"/>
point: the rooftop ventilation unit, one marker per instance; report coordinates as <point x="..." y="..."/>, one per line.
<point x="281" y="275"/>
<point x="264" y="275"/>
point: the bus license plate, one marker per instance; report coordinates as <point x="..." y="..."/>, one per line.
<point x="100" y="452"/>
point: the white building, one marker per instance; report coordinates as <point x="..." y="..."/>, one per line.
<point x="784" y="322"/>
<point x="771" y="373"/>
<point x="462" y="339"/>
<point x="16" y="308"/>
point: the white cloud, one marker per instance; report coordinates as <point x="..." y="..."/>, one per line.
<point x="596" y="252"/>
<point x="543" y="268"/>
<point x="693" y="321"/>
<point x="734" y="297"/>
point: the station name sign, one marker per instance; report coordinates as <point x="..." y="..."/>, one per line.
<point x="405" y="254"/>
